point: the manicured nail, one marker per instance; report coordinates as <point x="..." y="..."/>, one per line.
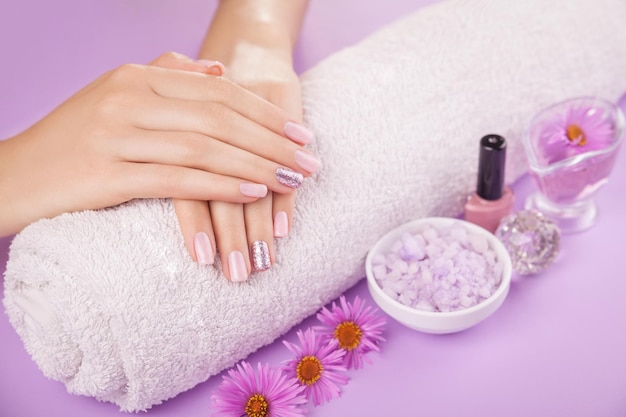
<point x="237" y="266"/>
<point x="298" y="133"/>
<point x="204" y="251"/>
<point x="289" y="178"/>
<point x="250" y="189"/>
<point x="261" y="255"/>
<point x="214" y="67"/>
<point x="281" y="224"/>
<point x="307" y="161"/>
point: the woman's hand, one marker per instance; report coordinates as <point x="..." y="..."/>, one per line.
<point x="244" y="234"/>
<point x="255" y="39"/>
<point x="250" y="228"/>
<point x="141" y="131"/>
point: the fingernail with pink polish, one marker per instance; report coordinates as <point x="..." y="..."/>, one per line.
<point x="307" y="161"/>
<point x="237" y="266"/>
<point x="261" y="256"/>
<point x="289" y="178"/>
<point x="250" y="189"/>
<point x="204" y="250"/>
<point x="281" y="224"/>
<point x="215" y="67"/>
<point x="298" y="133"/>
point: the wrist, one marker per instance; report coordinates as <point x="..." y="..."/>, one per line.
<point x="263" y="25"/>
<point x="247" y="41"/>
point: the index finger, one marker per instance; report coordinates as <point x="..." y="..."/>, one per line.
<point x="188" y="85"/>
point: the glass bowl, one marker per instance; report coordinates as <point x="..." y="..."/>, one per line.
<point x="571" y="148"/>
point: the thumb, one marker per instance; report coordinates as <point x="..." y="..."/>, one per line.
<point x="174" y="60"/>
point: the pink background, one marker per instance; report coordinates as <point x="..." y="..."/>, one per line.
<point x="555" y="348"/>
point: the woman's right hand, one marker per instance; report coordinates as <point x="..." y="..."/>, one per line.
<point x="143" y="131"/>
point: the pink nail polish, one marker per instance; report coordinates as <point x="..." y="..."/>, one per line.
<point x="204" y="251"/>
<point x="289" y="178"/>
<point x="281" y="224"/>
<point x="298" y="133"/>
<point x="261" y="255"/>
<point x="492" y="200"/>
<point x="250" y="189"/>
<point x="237" y="266"/>
<point x="307" y="161"/>
<point x="215" y="67"/>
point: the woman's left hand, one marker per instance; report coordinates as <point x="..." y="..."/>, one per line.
<point x="255" y="40"/>
<point x="244" y="233"/>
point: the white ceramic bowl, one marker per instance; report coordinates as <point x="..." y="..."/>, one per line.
<point x="439" y="322"/>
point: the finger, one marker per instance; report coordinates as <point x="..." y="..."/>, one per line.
<point x="220" y="122"/>
<point x="174" y="60"/>
<point x="132" y="180"/>
<point x="187" y="85"/>
<point x="260" y="232"/>
<point x="199" y="151"/>
<point x="282" y="213"/>
<point x="195" y="224"/>
<point x="283" y="204"/>
<point x="230" y="236"/>
<point x="289" y="99"/>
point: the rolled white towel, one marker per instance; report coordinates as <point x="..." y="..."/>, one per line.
<point x="110" y="303"/>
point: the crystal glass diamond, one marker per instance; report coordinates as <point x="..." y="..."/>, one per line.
<point x="531" y="239"/>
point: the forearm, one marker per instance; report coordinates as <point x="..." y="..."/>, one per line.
<point x="5" y="228"/>
<point x="241" y="27"/>
<point x="10" y="221"/>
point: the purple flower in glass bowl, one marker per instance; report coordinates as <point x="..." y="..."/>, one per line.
<point x="577" y="129"/>
<point x="571" y="148"/>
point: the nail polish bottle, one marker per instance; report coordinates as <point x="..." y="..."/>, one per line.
<point x="492" y="200"/>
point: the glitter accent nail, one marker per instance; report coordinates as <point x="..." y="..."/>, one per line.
<point x="289" y="178"/>
<point x="260" y="255"/>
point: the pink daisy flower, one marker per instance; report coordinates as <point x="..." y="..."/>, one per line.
<point x="577" y="129"/>
<point x="317" y="366"/>
<point x="356" y="328"/>
<point x="268" y="393"/>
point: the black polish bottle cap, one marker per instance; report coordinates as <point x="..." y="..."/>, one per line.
<point x="491" y="162"/>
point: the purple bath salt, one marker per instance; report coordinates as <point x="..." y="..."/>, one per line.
<point x="413" y="247"/>
<point x="439" y="270"/>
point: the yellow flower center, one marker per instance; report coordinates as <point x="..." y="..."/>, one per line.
<point x="576" y="135"/>
<point x="309" y="370"/>
<point x="348" y="334"/>
<point x="257" y="406"/>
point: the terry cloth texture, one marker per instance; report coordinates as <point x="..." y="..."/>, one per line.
<point x="110" y="303"/>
